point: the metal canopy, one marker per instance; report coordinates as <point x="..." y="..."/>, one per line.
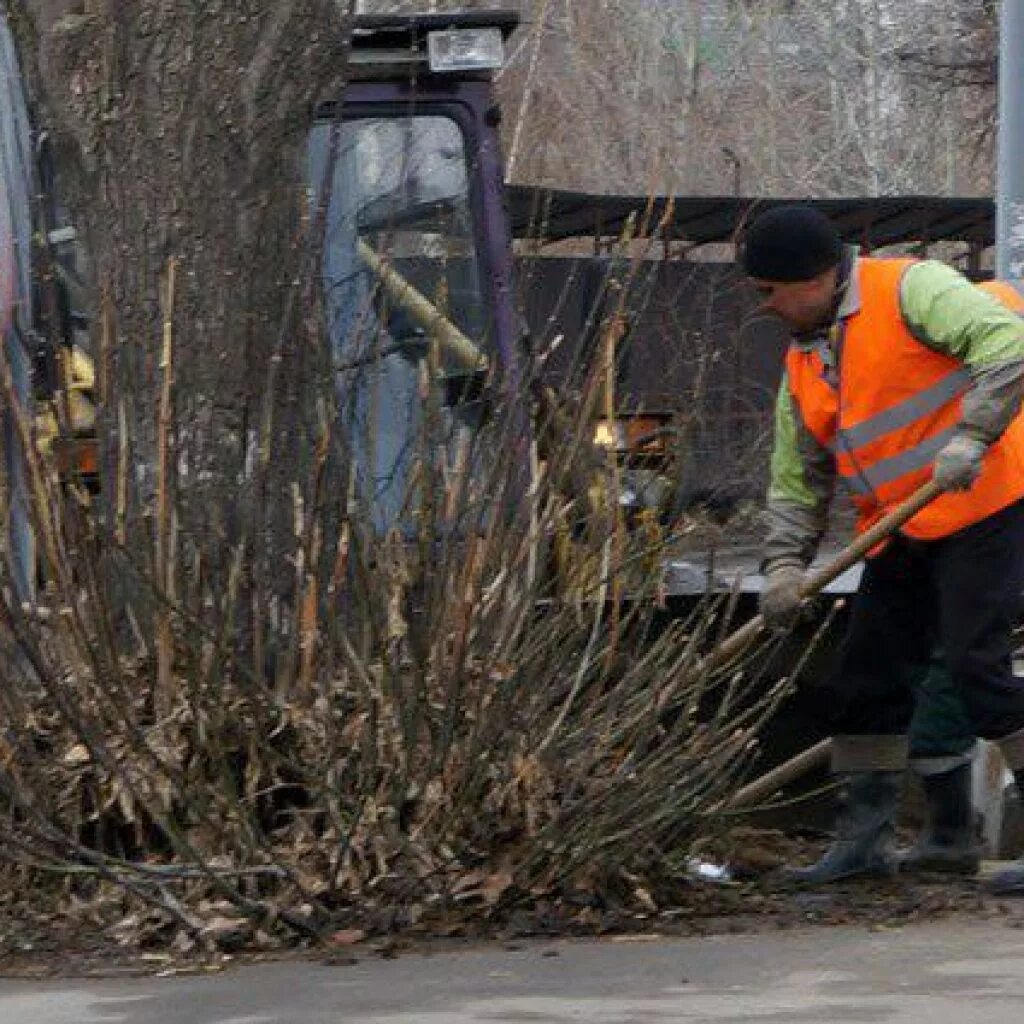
<point x="551" y="214"/>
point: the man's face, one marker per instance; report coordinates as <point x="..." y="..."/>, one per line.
<point x="804" y="305"/>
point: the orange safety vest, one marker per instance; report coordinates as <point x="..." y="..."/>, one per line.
<point x="896" y="405"/>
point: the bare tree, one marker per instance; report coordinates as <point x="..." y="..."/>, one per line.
<point x="180" y="133"/>
<point x="788" y="97"/>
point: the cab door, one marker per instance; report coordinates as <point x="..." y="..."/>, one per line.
<point x="411" y="307"/>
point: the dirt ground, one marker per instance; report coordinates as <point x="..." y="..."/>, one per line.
<point x="34" y="943"/>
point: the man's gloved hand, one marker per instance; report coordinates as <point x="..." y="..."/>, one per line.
<point x="781" y="598"/>
<point x="958" y="464"/>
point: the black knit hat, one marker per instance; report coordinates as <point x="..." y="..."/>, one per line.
<point x="790" y="243"/>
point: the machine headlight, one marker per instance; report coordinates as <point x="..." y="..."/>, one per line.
<point x="465" y="49"/>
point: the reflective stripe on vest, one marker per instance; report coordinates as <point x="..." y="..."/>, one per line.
<point x="868" y="481"/>
<point x="906" y="412"/>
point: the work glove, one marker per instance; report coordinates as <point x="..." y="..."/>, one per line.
<point x="781" y="597"/>
<point x="958" y="464"/>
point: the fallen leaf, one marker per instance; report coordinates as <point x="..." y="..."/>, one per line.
<point x="77" y="756"/>
<point x="495" y="885"/>
<point x="347" y="937"/>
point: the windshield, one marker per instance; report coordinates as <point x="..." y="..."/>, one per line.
<point x="400" y="273"/>
<point x="399" y="200"/>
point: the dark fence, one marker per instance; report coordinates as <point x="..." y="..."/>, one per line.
<point x="694" y="348"/>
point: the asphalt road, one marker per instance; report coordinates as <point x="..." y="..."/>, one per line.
<point x="937" y="973"/>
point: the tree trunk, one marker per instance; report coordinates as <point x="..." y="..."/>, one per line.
<point x="179" y="130"/>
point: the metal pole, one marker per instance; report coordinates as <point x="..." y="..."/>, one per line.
<point x="1010" y="164"/>
<point x="989" y="774"/>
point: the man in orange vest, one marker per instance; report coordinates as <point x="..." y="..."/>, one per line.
<point x="898" y="371"/>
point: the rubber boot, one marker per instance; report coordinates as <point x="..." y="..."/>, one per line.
<point x="1010" y="881"/>
<point x="948" y="843"/>
<point x="865" y="821"/>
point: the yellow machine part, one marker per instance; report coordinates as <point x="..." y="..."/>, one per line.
<point x="78" y="453"/>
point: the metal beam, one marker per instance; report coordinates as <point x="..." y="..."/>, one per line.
<point x="1010" y="164"/>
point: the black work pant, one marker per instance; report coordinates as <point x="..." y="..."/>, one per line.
<point x="940" y="726"/>
<point x="960" y="593"/>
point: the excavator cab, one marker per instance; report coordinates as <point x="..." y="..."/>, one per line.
<point x="417" y="263"/>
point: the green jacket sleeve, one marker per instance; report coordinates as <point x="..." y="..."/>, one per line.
<point x="800" y="491"/>
<point x="949" y="314"/>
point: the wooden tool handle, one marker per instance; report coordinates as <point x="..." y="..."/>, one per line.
<point x="781" y="775"/>
<point x="817" y="580"/>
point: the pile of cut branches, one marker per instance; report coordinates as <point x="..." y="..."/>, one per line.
<point x="266" y="689"/>
<point x="480" y="706"/>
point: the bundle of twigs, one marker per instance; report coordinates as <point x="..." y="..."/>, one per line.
<point x="314" y="716"/>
